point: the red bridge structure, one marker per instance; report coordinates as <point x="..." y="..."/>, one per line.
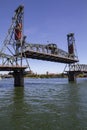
<point x="15" y="50"/>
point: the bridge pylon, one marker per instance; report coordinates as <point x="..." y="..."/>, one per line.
<point x="18" y="78"/>
<point x="72" y="53"/>
<point x="71" y="75"/>
<point x="12" y="45"/>
<point x="13" y="42"/>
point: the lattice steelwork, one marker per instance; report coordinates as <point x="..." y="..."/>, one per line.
<point x="48" y="52"/>
<point x="71" y="45"/>
<point x="12" y="43"/>
<point x="15" y="47"/>
<point x="78" y="67"/>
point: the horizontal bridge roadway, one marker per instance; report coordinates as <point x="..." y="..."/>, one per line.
<point x="48" y="52"/>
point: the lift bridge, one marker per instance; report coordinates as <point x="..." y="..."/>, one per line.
<point x="15" y="50"/>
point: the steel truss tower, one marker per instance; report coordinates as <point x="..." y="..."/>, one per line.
<point x="14" y="41"/>
<point x="73" y="53"/>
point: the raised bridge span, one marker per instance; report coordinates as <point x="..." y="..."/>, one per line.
<point x="49" y="52"/>
<point x="15" y="49"/>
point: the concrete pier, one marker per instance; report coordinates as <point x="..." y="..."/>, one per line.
<point x="71" y="76"/>
<point x="17" y="72"/>
<point x="18" y="78"/>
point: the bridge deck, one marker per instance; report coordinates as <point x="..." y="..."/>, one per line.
<point x="11" y="68"/>
<point x="48" y="57"/>
<point x="77" y="71"/>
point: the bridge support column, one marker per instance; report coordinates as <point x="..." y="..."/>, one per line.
<point x="18" y="78"/>
<point x="71" y="76"/>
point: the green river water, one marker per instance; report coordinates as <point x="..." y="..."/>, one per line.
<point x="43" y="104"/>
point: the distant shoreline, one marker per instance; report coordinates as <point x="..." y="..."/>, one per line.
<point x="60" y="75"/>
<point x="47" y="75"/>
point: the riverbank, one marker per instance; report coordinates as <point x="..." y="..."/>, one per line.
<point x="47" y="75"/>
<point x="52" y="75"/>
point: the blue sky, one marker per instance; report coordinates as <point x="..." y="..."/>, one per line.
<point x="49" y="20"/>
